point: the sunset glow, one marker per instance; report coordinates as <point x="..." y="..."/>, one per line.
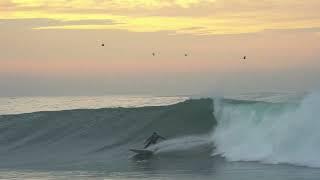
<point x="63" y="39"/>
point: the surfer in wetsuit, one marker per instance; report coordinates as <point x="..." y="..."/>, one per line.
<point x="153" y="139"/>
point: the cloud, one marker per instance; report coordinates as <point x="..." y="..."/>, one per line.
<point x="122" y="4"/>
<point x="38" y="23"/>
<point x="179" y="16"/>
<point x="297" y="30"/>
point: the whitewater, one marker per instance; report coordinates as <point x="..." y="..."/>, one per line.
<point x="271" y="135"/>
<point x="269" y="132"/>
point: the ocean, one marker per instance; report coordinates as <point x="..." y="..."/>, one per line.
<point x="248" y="136"/>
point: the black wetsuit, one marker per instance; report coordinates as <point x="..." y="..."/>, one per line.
<point x="153" y="140"/>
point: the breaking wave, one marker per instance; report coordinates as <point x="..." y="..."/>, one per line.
<point x="238" y="130"/>
<point x="269" y="132"/>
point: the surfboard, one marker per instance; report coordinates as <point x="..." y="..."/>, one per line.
<point x="142" y="151"/>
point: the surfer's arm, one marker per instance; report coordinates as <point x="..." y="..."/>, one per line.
<point x="162" y="138"/>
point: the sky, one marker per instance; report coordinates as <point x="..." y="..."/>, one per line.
<point x="54" y="47"/>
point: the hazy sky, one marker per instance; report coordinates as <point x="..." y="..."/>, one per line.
<point x="54" y="47"/>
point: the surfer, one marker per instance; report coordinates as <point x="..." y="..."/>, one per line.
<point x="153" y="139"/>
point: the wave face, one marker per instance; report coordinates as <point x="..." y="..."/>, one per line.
<point x="269" y="132"/>
<point x="78" y="137"/>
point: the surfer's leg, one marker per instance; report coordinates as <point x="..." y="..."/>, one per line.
<point x="149" y="143"/>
